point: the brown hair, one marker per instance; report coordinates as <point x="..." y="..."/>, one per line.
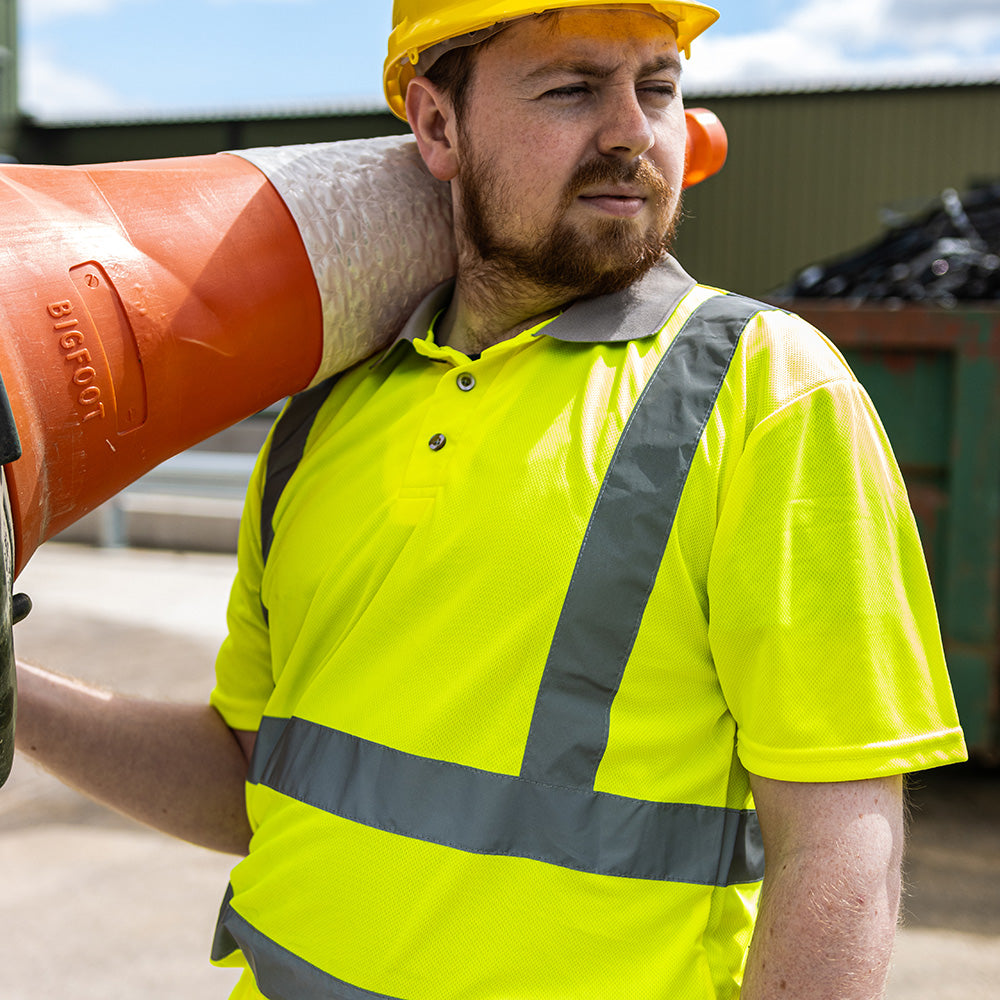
<point x="452" y="72"/>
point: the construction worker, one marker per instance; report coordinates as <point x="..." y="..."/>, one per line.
<point x="580" y="639"/>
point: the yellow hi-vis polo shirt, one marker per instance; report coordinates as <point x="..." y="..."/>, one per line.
<point x="517" y="628"/>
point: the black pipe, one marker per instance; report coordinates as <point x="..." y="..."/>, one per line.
<point x="10" y="451"/>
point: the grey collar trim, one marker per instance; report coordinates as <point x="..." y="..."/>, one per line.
<point x="638" y="312"/>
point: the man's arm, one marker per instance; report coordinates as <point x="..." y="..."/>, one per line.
<point x="175" y="767"/>
<point x="830" y="898"/>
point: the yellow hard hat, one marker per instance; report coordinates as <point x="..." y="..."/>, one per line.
<point x="419" y="24"/>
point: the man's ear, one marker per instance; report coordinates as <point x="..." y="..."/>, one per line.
<point x="432" y="119"/>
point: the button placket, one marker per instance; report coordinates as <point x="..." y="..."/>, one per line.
<point x="466" y="382"/>
<point x="451" y="408"/>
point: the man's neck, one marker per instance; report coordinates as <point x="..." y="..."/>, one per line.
<point x="485" y="312"/>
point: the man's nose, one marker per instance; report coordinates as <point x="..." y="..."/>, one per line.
<point x="625" y="130"/>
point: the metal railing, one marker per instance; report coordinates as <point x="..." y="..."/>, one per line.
<point x="207" y="485"/>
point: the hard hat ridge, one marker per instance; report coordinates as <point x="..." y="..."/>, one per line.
<point x="422" y="27"/>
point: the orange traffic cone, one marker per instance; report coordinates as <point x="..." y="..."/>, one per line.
<point x="146" y="306"/>
<point x="707" y="146"/>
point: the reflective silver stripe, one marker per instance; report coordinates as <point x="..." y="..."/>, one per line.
<point x="624" y="545"/>
<point x="280" y="973"/>
<point x="288" y="441"/>
<point x="483" y="812"/>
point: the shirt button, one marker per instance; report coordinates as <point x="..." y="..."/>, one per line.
<point x="466" y="382"/>
<point x="437" y="442"/>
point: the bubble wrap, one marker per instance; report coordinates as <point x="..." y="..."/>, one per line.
<point x="377" y="228"/>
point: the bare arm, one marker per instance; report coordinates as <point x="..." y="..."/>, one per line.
<point x="175" y="767"/>
<point x="831" y="890"/>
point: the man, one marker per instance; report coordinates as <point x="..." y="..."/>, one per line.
<point x="531" y="604"/>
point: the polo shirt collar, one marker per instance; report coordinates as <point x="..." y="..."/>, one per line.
<point x="640" y="311"/>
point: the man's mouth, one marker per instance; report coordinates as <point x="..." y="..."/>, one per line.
<point x="622" y="204"/>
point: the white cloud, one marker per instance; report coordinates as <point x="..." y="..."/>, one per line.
<point x="855" y="41"/>
<point x="958" y="11"/>
<point x="50" y="90"/>
<point x="969" y="26"/>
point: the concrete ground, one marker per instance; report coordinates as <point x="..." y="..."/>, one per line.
<point x="95" y="906"/>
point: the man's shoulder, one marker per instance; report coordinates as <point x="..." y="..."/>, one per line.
<point x="780" y="356"/>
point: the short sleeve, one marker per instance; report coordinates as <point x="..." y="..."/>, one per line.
<point x="243" y="675"/>
<point x="822" y="622"/>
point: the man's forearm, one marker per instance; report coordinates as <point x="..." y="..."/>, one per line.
<point x="828" y="909"/>
<point x="178" y="768"/>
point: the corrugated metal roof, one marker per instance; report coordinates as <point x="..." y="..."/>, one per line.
<point x="834" y="85"/>
<point x="266" y="112"/>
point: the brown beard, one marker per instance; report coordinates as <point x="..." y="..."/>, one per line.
<point x="570" y="262"/>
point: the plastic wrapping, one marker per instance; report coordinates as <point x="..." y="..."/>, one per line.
<point x="377" y="229"/>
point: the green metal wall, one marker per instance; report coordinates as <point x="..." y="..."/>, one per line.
<point x="105" y="142"/>
<point x="808" y="174"/>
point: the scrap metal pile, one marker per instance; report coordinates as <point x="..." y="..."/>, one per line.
<point x="950" y="253"/>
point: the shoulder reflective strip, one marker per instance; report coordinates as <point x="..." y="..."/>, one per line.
<point x="483" y="812"/>
<point x="624" y="545"/>
<point x="288" y="442"/>
<point x="280" y="973"/>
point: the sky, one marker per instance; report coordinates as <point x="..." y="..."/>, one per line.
<point x="101" y="59"/>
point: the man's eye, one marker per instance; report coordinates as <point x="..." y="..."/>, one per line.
<point x="570" y="90"/>
<point x="658" y="89"/>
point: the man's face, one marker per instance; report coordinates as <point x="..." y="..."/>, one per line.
<point x="571" y="151"/>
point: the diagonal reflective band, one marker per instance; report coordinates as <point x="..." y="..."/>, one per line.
<point x="624" y="545"/>
<point x="483" y="812"/>
<point x="280" y="973"/>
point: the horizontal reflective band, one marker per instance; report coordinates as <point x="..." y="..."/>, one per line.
<point x="280" y="973"/>
<point x="483" y="812"/>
